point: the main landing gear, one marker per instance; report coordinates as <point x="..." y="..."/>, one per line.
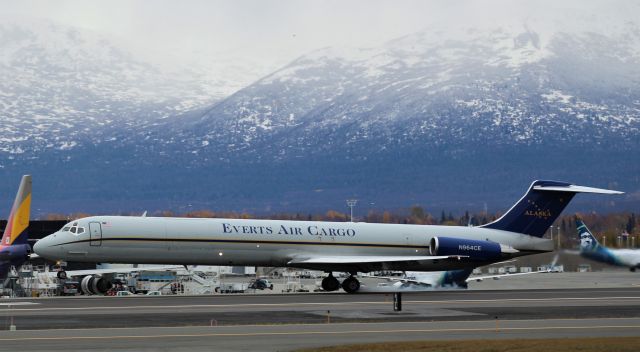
<point x="349" y="285"/>
<point x="330" y="283"/>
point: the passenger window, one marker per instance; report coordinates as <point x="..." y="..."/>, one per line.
<point x="73" y="230"/>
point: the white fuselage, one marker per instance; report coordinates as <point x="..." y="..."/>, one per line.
<point x="119" y="239"/>
<point x="621" y="257"/>
<point x="628" y="257"/>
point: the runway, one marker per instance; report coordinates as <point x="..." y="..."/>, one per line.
<point x="290" y="337"/>
<point x="284" y="322"/>
<point x="117" y="312"/>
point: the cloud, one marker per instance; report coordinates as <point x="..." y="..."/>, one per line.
<point x="281" y="30"/>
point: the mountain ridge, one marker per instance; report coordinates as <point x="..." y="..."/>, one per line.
<point x="418" y="119"/>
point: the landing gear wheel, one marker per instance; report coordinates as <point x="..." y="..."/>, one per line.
<point x="351" y="285"/>
<point x="330" y="283"/>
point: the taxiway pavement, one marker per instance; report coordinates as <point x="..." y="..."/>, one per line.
<point x="295" y="336"/>
<point x="166" y="311"/>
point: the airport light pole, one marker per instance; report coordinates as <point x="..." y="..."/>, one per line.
<point x="352" y="203"/>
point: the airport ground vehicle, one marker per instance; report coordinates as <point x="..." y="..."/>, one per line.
<point x="261" y="284"/>
<point x="232" y="288"/>
<point x="70" y="288"/>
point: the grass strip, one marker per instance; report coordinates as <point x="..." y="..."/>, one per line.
<point x="603" y="344"/>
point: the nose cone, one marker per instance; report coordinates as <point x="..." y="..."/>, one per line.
<point x="45" y="247"/>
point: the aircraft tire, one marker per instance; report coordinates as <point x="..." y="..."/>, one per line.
<point x="330" y="283"/>
<point x="351" y="285"/>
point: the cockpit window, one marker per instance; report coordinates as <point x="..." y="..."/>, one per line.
<point x="74" y="229"/>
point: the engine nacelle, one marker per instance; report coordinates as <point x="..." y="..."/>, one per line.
<point x="474" y="249"/>
<point x="94" y="285"/>
<point x="15" y="254"/>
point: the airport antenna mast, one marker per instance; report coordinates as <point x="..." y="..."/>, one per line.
<point x="352" y="203"/>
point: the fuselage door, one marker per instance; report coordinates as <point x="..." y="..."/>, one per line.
<point x="95" y="234"/>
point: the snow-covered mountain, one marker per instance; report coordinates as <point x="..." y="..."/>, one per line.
<point x="64" y="87"/>
<point x="450" y="120"/>
<point x="430" y="115"/>
<point x="505" y="86"/>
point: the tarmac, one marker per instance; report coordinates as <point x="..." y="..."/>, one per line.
<point x="291" y="337"/>
<point x="280" y="322"/>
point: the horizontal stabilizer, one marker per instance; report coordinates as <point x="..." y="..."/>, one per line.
<point x="576" y="189"/>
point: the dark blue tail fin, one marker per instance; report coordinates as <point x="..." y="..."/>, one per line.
<point x="540" y="207"/>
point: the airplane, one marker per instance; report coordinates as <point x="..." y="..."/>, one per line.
<point x="422" y="281"/>
<point x="438" y="280"/>
<point x="433" y="280"/>
<point x="328" y="246"/>
<point x="14" y="246"/>
<point x="591" y="249"/>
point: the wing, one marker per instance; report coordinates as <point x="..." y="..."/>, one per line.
<point x="376" y="263"/>
<point x="403" y="280"/>
<point x="497" y="277"/>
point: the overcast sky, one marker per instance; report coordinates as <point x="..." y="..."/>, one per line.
<point x="288" y="28"/>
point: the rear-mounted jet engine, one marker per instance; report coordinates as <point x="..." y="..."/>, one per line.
<point x="474" y="249"/>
